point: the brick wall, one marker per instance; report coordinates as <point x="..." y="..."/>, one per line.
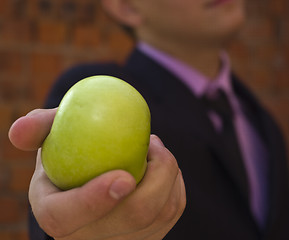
<point x="41" y="38"/>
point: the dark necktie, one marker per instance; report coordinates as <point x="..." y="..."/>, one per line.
<point x="221" y="106"/>
<point x="227" y="137"/>
<point x="255" y="163"/>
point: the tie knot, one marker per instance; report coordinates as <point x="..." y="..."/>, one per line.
<point x="219" y="104"/>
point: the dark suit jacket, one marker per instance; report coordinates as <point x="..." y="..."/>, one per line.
<point x="217" y="191"/>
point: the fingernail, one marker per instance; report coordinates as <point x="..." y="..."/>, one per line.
<point x="157" y="140"/>
<point x="34" y="112"/>
<point x="120" y="188"/>
<point x="39" y="111"/>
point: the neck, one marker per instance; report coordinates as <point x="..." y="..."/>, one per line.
<point x="205" y="59"/>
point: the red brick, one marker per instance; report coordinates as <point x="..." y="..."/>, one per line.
<point x="40" y="9"/>
<point x="23" y="108"/>
<point x="16" y="31"/>
<point x="40" y="87"/>
<point x="44" y="69"/>
<point x="11" y="62"/>
<point x="86" y="11"/>
<point x="20" y="177"/>
<point x="281" y="80"/>
<point x="256" y="8"/>
<point x="6" y="112"/>
<point x="14" y="235"/>
<point x="45" y="64"/>
<point x="103" y="18"/>
<point x="261" y="78"/>
<point x="6" y="235"/>
<point x="11" y="153"/>
<point x="4" y="176"/>
<point x="284" y="30"/>
<point x="52" y="32"/>
<point x="119" y="44"/>
<point x="118" y="40"/>
<point x="266" y="52"/>
<point x="286" y="54"/>
<point x="13" y="88"/>
<point x="239" y="50"/>
<point x="3" y="6"/>
<point x="21" y="235"/>
<point x="32" y="8"/>
<point x="278" y="106"/>
<point x="86" y="36"/>
<point x="258" y="30"/>
<point x="9" y="210"/>
<point x="66" y="10"/>
<point x="240" y="57"/>
<point x="277" y="7"/>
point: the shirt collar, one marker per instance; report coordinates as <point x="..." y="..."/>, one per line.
<point x="193" y="79"/>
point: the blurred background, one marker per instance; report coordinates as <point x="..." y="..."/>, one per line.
<point x="39" y="39"/>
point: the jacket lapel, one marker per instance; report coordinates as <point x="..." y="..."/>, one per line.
<point x="273" y="141"/>
<point x="170" y="93"/>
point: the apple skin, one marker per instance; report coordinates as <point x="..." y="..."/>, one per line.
<point x="102" y="124"/>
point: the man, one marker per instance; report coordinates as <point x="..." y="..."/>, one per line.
<point x="230" y="151"/>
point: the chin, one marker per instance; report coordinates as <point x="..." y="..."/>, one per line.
<point x="229" y="28"/>
<point x="229" y="19"/>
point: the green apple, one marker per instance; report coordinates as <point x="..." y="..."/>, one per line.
<point x="102" y="124"/>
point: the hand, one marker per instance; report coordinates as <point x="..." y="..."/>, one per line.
<point x="110" y="206"/>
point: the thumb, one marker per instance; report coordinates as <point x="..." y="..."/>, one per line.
<point x="28" y="132"/>
<point x="61" y="213"/>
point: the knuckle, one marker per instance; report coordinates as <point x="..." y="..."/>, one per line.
<point x="169" y="213"/>
<point x="163" y="154"/>
<point x="176" y="203"/>
<point x="173" y="210"/>
<point x="183" y="203"/>
<point x="141" y="217"/>
<point x="171" y="162"/>
<point x="89" y="199"/>
<point x="88" y="203"/>
<point x="48" y="223"/>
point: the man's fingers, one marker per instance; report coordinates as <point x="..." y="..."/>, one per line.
<point x="28" y="132"/>
<point x="168" y="216"/>
<point x="152" y="192"/>
<point x="172" y="211"/>
<point x="62" y="213"/>
<point x="67" y="212"/>
<point x="162" y="171"/>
